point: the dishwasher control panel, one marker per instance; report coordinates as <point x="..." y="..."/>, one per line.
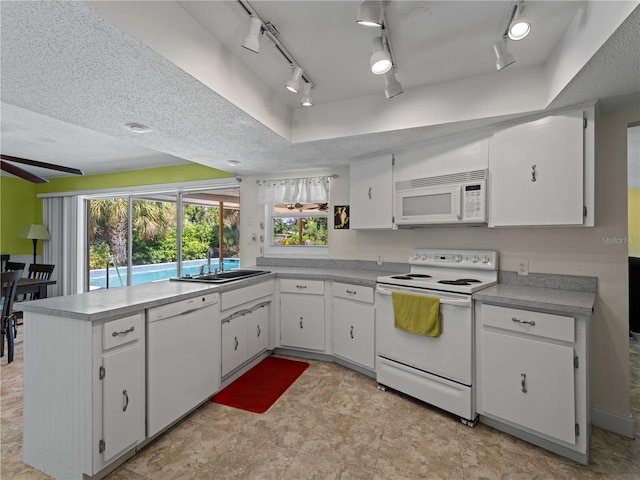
<point x="182" y="307"/>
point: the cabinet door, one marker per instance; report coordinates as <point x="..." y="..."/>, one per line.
<point x="234" y="343"/>
<point x="371" y="193"/>
<point x="353" y="327"/>
<point x="258" y="331"/>
<point x="537" y="173"/>
<point x="123" y="403"/>
<point x="302" y="321"/>
<point x="530" y="383"/>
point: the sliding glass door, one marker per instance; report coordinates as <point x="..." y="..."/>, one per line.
<point x="144" y="238"/>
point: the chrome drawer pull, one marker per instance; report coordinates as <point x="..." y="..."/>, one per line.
<point x="523" y="382"/>
<point x="124" y="332"/>
<point x="352" y="292"/>
<point x="351" y="331"/>
<point x="530" y="322"/>
<point x="235" y="339"/>
<point x="301" y="323"/>
<point x="258" y="330"/>
<point x="533" y="173"/>
<point x="301" y="286"/>
<point x="126" y="400"/>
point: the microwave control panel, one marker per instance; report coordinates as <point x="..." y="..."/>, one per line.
<point x="473" y="201"/>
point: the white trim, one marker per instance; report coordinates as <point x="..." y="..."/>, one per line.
<point x="215" y="183"/>
<point x="622" y="424"/>
<point x="270" y="250"/>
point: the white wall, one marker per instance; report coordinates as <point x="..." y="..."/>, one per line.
<point x="574" y="251"/>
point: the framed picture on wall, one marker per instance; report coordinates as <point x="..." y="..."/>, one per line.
<point x="341" y="217"/>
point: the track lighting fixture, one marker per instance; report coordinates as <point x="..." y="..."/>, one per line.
<point x="252" y="40"/>
<point x="381" y="59"/>
<point x="503" y="57"/>
<point x="392" y="86"/>
<point x="293" y="84"/>
<point x="370" y="13"/>
<point x="306" y="100"/>
<point x="519" y="27"/>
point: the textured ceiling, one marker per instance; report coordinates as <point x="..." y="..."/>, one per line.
<point x="71" y="79"/>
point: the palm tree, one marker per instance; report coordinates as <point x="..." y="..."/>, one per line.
<point x="109" y="221"/>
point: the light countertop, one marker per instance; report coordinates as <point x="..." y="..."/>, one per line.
<point x="538" y="298"/>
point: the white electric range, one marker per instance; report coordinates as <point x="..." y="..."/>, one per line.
<point x="436" y="370"/>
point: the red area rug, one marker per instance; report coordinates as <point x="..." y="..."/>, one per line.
<point x="260" y="387"/>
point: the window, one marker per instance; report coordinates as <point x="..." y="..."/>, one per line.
<point x="298" y="225"/>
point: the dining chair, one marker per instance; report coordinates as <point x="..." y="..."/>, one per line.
<point x="5" y="258"/>
<point x="37" y="271"/>
<point x="12" y="266"/>
<point x="9" y="282"/>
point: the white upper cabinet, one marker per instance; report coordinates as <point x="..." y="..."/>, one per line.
<point x="371" y="193"/>
<point x="541" y="172"/>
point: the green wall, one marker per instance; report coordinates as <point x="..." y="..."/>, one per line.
<point x="20" y="206"/>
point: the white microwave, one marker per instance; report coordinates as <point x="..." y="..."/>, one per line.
<point x="455" y="199"/>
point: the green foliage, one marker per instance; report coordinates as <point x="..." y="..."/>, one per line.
<point x="98" y="254"/>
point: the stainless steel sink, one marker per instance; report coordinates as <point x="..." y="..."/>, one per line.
<point x="221" y="277"/>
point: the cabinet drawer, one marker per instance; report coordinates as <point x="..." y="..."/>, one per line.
<point x="121" y="331"/>
<point x="353" y="292"/>
<point x="546" y="325"/>
<point x="245" y="294"/>
<point x="310" y="287"/>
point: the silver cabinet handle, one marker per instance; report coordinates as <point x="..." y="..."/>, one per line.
<point x="351" y="331"/>
<point x="523" y="382"/>
<point x="533" y="173"/>
<point x="369" y="193"/>
<point x="123" y="332"/>
<point x="301" y="286"/>
<point x="126" y="400"/>
<point x="258" y="330"/>
<point x="235" y="339"/>
<point x="301" y="323"/>
<point x="352" y="292"/>
<point x="529" y="322"/>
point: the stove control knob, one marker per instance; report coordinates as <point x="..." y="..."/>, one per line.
<point x="425" y="256"/>
<point x="485" y="259"/>
<point x="458" y="258"/>
<point x="475" y="259"/>
<point x="416" y="255"/>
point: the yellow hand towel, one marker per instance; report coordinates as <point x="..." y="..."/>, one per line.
<point x="419" y="314"/>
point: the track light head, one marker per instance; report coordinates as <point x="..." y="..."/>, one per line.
<point x="306" y="100"/>
<point x="392" y="87"/>
<point x="252" y="40"/>
<point x="503" y="57"/>
<point x="370" y="13"/>
<point x="293" y="84"/>
<point x="520" y="26"/>
<point x="381" y="59"/>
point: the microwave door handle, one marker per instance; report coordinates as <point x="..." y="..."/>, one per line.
<point x="457" y="203"/>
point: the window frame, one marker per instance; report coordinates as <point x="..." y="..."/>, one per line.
<point x="293" y="250"/>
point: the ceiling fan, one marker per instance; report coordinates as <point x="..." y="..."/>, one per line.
<point x="30" y="177"/>
<point x="323" y="207"/>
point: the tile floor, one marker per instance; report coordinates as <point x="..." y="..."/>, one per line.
<point x="334" y="423"/>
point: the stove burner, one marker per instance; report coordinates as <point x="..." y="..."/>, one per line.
<point x="453" y="282"/>
<point x="419" y="275"/>
<point x="401" y="277"/>
<point x="469" y="280"/>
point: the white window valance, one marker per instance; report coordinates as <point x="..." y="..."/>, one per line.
<point x="294" y="190"/>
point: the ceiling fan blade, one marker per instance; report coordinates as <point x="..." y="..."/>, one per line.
<point x="18" y="172"/>
<point x="49" y="166"/>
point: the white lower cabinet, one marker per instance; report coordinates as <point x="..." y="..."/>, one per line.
<point x="302" y="314"/>
<point x="532" y="377"/>
<point x="245" y="324"/>
<point x="84" y="393"/>
<point x="354" y="324"/>
<point x="122" y="375"/>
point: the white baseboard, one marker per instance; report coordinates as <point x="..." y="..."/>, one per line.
<point x="613" y="422"/>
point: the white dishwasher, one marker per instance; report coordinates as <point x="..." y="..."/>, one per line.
<point x="183" y="358"/>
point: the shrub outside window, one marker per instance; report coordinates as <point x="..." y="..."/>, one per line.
<point x="300" y="225"/>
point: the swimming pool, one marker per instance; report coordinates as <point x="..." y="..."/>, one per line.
<point x="152" y="273"/>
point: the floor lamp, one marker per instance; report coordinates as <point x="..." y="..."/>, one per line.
<point x="35" y="232"/>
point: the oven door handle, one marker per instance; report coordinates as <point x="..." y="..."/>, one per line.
<point x="465" y="302"/>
